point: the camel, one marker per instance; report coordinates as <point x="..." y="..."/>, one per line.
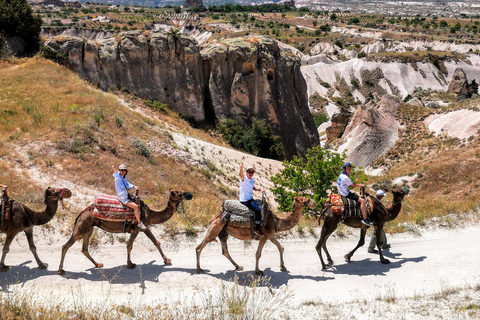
<point x="83" y="228"/>
<point x="273" y="224"/>
<point x="379" y="216"/>
<point x="22" y="218"/>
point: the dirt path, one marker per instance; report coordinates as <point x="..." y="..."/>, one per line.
<point x="426" y="264"/>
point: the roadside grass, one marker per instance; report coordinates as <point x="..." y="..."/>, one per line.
<point x="253" y="299"/>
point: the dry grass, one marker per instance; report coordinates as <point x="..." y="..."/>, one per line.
<point x="62" y="127"/>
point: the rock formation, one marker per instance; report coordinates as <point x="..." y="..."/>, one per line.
<point x="236" y="78"/>
<point x="459" y="83"/>
<point x="193" y="3"/>
<point x="339" y="123"/>
<point x="372" y="131"/>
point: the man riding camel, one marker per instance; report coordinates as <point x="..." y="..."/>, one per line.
<point x="344" y="182"/>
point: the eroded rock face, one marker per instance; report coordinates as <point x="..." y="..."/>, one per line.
<point x="372" y="131"/>
<point x="459" y="83"/>
<point x="192" y="3"/>
<point x="339" y="123"/>
<point x="237" y="78"/>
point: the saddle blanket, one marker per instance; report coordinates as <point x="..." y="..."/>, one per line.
<point x="108" y="207"/>
<point x="347" y="207"/>
<point x="239" y="215"/>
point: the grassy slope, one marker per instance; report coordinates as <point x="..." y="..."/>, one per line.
<point x="54" y="123"/>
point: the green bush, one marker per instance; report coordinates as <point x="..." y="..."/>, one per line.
<point x="156" y="105"/>
<point x="17" y="20"/>
<point x="141" y="148"/>
<point x="309" y="177"/>
<point x="257" y="140"/>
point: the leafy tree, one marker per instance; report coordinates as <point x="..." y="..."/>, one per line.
<point x="309" y="177"/>
<point x="17" y="20"/>
<point x="259" y="140"/>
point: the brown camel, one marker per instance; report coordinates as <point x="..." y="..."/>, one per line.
<point x="22" y="218"/>
<point x="273" y="224"/>
<point x="379" y="216"/>
<point x="85" y="222"/>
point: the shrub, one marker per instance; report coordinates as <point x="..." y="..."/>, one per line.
<point x="156" y="105"/>
<point x="17" y="20"/>
<point x="309" y="177"/>
<point x="141" y="148"/>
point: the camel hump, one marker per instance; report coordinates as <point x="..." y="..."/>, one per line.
<point x="236" y="207"/>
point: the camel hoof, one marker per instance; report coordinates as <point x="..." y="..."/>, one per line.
<point x="325" y="267"/>
<point x="43" y="266"/>
<point x="347" y="257"/>
<point x="259" y="273"/>
<point x="167" y="262"/>
<point x="282" y="268"/>
<point x="385" y="261"/>
<point x="99" y="265"/>
<point x="131" y="266"/>
<point x="200" y="271"/>
<point x="60" y="271"/>
<point x="238" y="268"/>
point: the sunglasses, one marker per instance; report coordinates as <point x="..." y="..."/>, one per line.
<point x="252" y="172"/>
<point x="122" y="170"/>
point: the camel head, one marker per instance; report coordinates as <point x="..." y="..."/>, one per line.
<point x="399" y="194"/>
<point x="177" y="195"/>
<point x="57" y="193"/>
<point x="301" y="202"/>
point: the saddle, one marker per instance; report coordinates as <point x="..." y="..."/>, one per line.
<point x="238" y="215"/>
<point x="109" y="208"/>
<point x="347" y="208"/>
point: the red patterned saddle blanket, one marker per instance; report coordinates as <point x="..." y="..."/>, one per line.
<point x="109" y="208"/>
<point x="347" y="207"/>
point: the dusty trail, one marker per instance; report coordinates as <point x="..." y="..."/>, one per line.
<point x="438" y="259"/>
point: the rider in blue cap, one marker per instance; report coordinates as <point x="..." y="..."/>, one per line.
<point x="344" y="182"/>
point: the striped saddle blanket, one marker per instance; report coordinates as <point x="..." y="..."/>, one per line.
<point x="348" y="208"/>
<point x="238" y="215"/>
<point x="109" y="208"/>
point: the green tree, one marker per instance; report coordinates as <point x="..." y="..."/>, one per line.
<point x="310" y="177"/>
<point x="17" y="20"/>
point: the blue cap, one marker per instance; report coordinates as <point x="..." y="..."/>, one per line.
<point x="347" y="164"/>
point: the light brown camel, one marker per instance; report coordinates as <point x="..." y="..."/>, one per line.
<point x="273" y="224"/>
<point x="22" y="218"/>
<point x="379" y="216"/>
<point x="85" y="222"/>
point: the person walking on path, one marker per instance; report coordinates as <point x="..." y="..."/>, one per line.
<point x="247" y="186"/>
<point x="373" y="240"/>
<point x="121" y="186"/>
<point x="344" y="182"/>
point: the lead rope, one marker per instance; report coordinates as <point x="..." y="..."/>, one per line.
<point x="182" y="209"/>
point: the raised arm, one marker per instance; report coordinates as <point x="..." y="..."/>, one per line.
<point x="113" y="168"/>
<point x="241" y="171"/>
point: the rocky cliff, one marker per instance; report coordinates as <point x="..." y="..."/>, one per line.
<point x="236" y="78"/>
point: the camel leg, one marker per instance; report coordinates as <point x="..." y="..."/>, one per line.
<point x="33" y="248"/>
<point x="378" y="234"/>
<point x="223" y="236"/>
<point x="212" y="232"/>
<point x="133" y="236"/>
<point x="6" y="248"/>
<point x="65" y="248"/>
<point x="150" y="235"/>
<point x="86" y="237"/>
<point x="327" y="229"/>
<point x="280" y="249"/>
<point x="261" y="243"/>
<point x="361" y="242"/>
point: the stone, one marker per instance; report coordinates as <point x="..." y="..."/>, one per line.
<point x="237" y="78"/>
<point x="459" y="83"/>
